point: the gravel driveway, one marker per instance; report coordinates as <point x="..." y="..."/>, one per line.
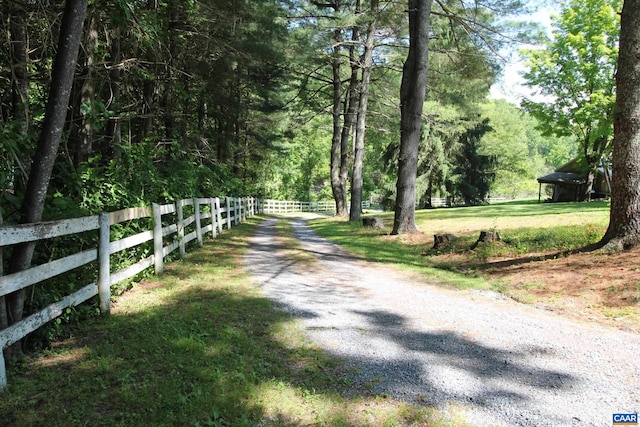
<point x="499" y="362"/>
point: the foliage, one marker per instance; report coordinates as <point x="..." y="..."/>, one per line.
<point x="299" y="169"/>
<point x="575" y="72"/>
<point x="170" y="100"/>
<point x="522" y="153"/>
<point x="474" y="172"/>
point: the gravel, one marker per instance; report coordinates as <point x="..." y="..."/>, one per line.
<point x="498" y="362"/>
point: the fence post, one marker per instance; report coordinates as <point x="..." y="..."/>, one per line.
<point x="3" y="371"/>
<point x="244" y="206"/>
<point x="104" y="265"/>
<point x="218" y="214"/>
<point x="196" y="205"/>
<point x="157" y="238"/>
<point x="228" y="203"/>
<point x="180" y="215"/>
<point x="214" y="224"/>
<point x="236" y="210"/>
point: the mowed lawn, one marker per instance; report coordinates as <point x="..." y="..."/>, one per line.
<point x="530" y="226"/>
<point x="537" y="261"/>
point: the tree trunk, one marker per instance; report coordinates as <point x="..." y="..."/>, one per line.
<point x="412" y="93"/>
<point x="82" y="130"/>
<point x="20" y="81"/>
<point x="111" y="93"/>
<point x="338" y="190"/>
<point x="169" y="104"/>
<point x="19" y="108"/>
<point x="4" y="317"/>
<point x="62" y="79"/>
<point x="351" y="109"/>
<point x="358" y="158"/>
<point x="146" y="113"/>
<point x="624" y="224"/>
<point x="19" y="86"/>
<point x="148" y="105"/>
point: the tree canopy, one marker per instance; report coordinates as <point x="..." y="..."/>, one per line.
<point x="184" y="98"/>
<point x="574" y="72"/>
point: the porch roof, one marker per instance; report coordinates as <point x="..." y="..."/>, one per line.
<point x="563" y="178"/>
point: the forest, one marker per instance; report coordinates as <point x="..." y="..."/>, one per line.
<point x="113" y="104"/>
<point x="177" y="99"/>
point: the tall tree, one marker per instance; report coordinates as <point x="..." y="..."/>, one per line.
<point x="15" y="111"/>
<point x="624" y="225"/>
<point x="576" y="72"/>
<point x="338" y="184"/>
<point x="412" y="93"/>
<point x="475" y="172"/>
<point x="350" y="116"/>
<point x="358" y="157"/>
<point x="515" y="143"/>
<point x="82" y="130"/>
<point x="44" y="158"/>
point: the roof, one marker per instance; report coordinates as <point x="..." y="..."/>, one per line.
<point x="563" y="178"/>
<point x="574" y="166"/>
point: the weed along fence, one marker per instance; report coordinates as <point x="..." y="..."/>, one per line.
<point x="170" y="229"/>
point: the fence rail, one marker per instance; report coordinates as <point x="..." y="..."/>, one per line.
<point x="171" y="230"/>
<point x="439" y="202"/>
<point x="270" y="206"/>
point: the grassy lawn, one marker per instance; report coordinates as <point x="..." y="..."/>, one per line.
<point x="198" y="346"/>
<point x="534" y="262"/>
<point x="525" y="227"/>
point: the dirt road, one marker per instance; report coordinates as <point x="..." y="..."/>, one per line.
<point x="497" y="361"/>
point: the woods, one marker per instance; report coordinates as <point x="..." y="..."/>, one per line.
<point x="107" y="105"/>
<point x="243" y="105"/>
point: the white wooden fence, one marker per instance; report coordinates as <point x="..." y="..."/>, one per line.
<point x="285" y="206"/>
<point x="439" y="202"/>
<point x="171" y="231"/>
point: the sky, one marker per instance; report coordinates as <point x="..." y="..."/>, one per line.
<point x="511" y="85"/>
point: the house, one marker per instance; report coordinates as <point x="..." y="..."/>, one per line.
<point x="570" y="182"/>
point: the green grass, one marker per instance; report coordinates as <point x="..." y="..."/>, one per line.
<point x="410" y="257"/>
<point x="510" y="215"/>
<point x="198" y="346"/>
<point x="525" y="227"/>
